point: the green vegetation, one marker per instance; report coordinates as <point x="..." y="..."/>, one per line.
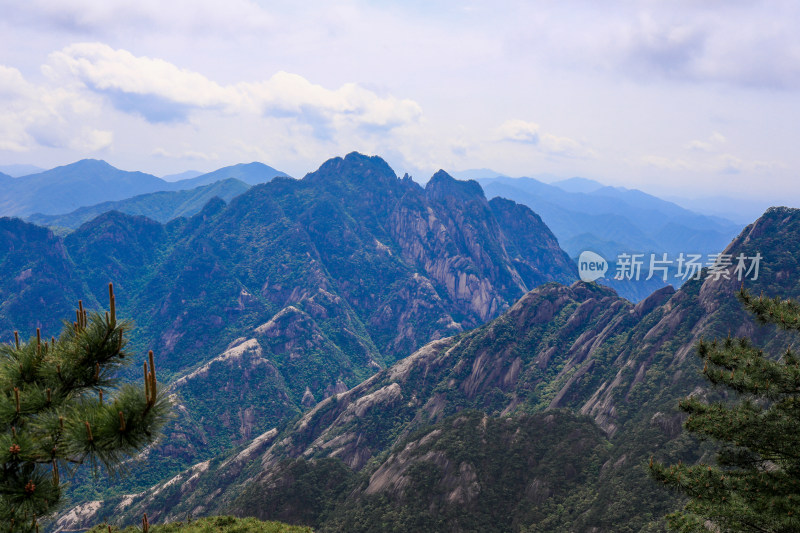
<point x="470" y="472"/>
<point x="312" y="284"/>
<point x="347" y="270"/>
<point x="214" y="524"/>
<point x="61" y="407"/>
<point x="755" y="486"/>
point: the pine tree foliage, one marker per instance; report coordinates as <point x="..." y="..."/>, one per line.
<point x="62" y="406"/>
<point x="755" y="485"/>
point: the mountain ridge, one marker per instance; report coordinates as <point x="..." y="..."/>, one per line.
<point x="87" y="182"/>
<point x="161" y="206"/>
<point x="297" y="290"/>
<point x="580" y="348"/>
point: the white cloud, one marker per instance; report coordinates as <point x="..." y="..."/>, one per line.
<point x="104" y="69"/>
<point x="717" y="137"/>
<point x="555" y="145"/>
<point x="292" y="84"/>
<point x="14" y="100"/>
<point x="162" y="92"/>
<point x="664" y="163"/>
<point x="12" y="84"/>
<point x="33" y="115"/>
<point x="702" y="146"/>
<point x="92" y="98"/>
<point x="521" y="131"/>
<point x="185" y="154"/>
<point x="714" y="141"/>
<point x="706" y="164"/>
<point x="743" y="44"/>
<point x="92" y="140"/>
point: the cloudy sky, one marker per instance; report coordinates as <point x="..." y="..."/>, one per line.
<point x="691" y="97"/>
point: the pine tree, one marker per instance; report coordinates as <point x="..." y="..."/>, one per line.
<point x="62" y="406"/>
<point x="755" y="485"/>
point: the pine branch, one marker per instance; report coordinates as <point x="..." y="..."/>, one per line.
<point x="60" y="405"/>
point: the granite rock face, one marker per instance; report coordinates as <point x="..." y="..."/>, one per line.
<point x="577" y="356"/>
<point x="294" y="291"/>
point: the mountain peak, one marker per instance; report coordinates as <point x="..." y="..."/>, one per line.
<point x="782" y="211"/>
<point x="92" y="161"/>
<point x="354" y="167"/>
<point x="250" y="173"/>
<point x="88" y="164"/>
<point x="443" y="184"/>
<point x="767" y="236"/>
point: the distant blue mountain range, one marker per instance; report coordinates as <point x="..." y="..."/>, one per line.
<point x="587" y="215"/>
<point x="88" y="182"/>
<point x="16" y="171"/>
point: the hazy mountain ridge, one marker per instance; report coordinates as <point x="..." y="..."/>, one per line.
<point x="88" y="182"/>
<point x="249" y="173"/>
<point x="17" y="171"/>
<point x="634" y="218"/>
<point x="580" y="348"/>
<point x="161" y="206"/>
<point x="586" y="215"/>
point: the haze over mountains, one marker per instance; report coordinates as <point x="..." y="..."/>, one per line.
<point x="160" y="206"/>
<point x="585" y="214"/>
<point x="87" y="182"/>
<point x="16" y="171"/>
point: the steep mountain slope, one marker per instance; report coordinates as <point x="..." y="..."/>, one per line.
<point x="390" y="449"/>
<point x="407" y="264"/>
<point x="160" y="206"/>
<point x="300" y="289"/>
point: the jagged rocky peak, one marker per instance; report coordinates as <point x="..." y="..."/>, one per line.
<point x="442" y="185"/>
<point x="354" y="168"/>
<point x="775" y="223"/>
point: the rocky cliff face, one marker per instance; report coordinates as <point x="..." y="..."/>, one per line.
<point x="579" y="348"/>
<point x="326" y="280"/>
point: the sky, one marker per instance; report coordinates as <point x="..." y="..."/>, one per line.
<point x="689" y="97"/>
